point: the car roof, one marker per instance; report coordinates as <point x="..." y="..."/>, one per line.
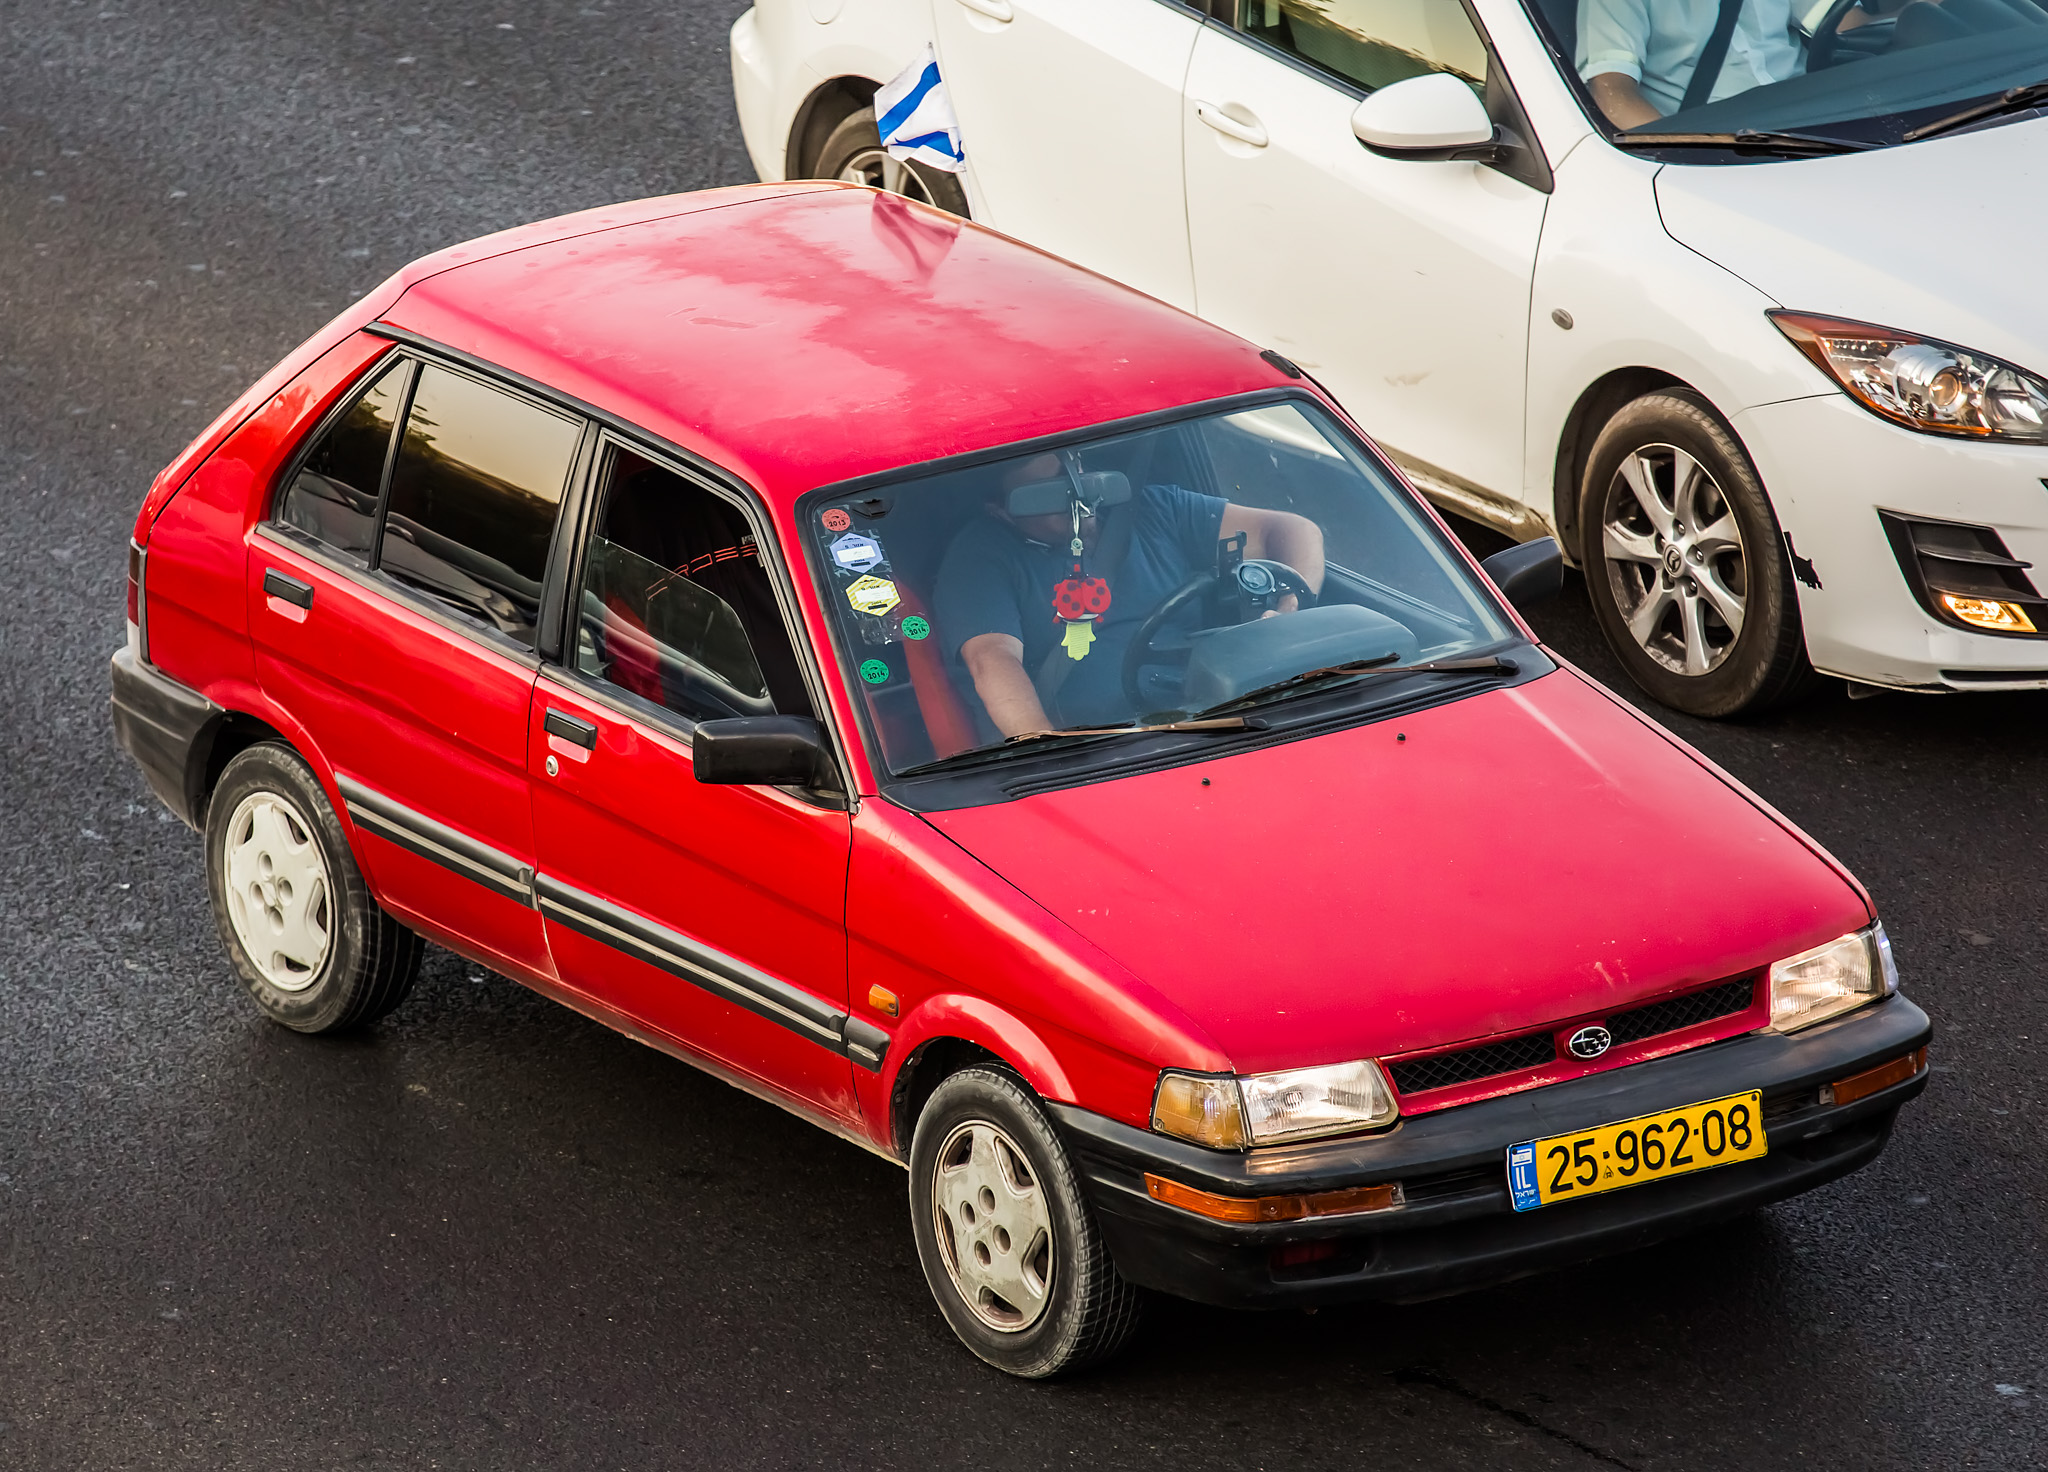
<point x="800" y="335"/>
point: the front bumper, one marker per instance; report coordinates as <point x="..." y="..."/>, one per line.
<point x="1457" y="1228"/>
<point x="1831" y="466"/>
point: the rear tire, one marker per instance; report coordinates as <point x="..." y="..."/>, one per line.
<point x="1008" y="1242"/>
<point x="852" y="152"/>
<point x="310" y="944"/>
<point x="1685" y="563"/>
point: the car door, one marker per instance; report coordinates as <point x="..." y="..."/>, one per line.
<point x="395" y="592"/>
<point x="1070" y="118"/>
<point x="1403" y="286"/>
<point x="713" y="915"/>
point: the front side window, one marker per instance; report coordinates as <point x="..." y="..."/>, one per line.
<point x="333" y="496"/>
<point x="676" y="607"/>
<point x="1136" y="578"/>
<point x="1372" y="43"/>
<point x="1844" y="75"/>
<point x="474" y="493"/>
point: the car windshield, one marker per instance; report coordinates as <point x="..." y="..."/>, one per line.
<point x="1141" y="578"/>
<point x="1832" y="74"/>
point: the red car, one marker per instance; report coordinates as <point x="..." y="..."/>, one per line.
<point x="1008" y="722"/>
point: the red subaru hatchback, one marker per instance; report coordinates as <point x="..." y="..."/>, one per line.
<point x="1020" y="728"/>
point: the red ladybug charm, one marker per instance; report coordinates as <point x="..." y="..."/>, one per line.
<point x="1079" y="598"/>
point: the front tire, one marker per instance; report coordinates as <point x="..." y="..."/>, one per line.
<point x="852" y="152"/>
<point x="1685" y="563"/>
<point x="1008" y="1242"/>
<point x="313" y="948"/>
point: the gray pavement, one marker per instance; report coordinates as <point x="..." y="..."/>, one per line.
<point x="491" y="1234"/>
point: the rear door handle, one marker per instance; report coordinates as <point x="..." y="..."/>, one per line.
<point x="1229" y="126"/>
<point x="283" y="585"/>
<point x="569" y="728"/>
<point x="993" y="9"/>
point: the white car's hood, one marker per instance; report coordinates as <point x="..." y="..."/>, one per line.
<point x="1942" y="238"/>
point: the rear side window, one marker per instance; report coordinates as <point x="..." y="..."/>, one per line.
<point x="1373" y="42"/>
<point x="474" y="495"/>
<point x="334" y="495"/>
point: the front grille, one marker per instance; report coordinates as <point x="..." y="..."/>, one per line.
<point x="1687" y="1011"/>
<point x="1462" y="1067"/>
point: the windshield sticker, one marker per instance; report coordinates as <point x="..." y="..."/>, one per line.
<point x="916" y="628"/>
<point x="856" y="553"/>
<point x="836" y="520"/>
<point x="871" y="595"/>
<point x="874" y="671"/>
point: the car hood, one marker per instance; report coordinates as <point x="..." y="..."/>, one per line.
<point x="1522" y="857"/>
<point x="1925" y="237"/>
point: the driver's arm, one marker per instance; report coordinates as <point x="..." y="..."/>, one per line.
<point x="1621" y="98"/>
<point x="1279" y="536"/>
<point x="996" y="661"/>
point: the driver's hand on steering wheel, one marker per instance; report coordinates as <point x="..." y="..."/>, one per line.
<point x="1286" y="603"/>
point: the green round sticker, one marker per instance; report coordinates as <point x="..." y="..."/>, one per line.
<point x="874" y="671"/>
<point x="916" y="628"/>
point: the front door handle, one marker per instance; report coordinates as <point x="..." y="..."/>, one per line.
<point x="1230" y="127"/>
<point x="993" y="9"/>
<point x="294" y="591"/>
<point x="570" y="728"/>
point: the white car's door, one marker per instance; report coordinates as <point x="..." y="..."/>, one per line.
<point x="1070" y="116"/>
<point x="1403" y="286"/>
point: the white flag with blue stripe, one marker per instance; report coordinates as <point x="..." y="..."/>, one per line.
<point x="916" y="119"/>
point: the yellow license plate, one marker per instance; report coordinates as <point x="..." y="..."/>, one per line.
<point x="1651" y="1147"/>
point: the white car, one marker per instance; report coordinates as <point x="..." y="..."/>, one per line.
<point x="1773" y="368"/>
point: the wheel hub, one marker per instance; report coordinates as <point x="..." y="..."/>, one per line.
<point x="277" y="891"/>
<point x="994" y="1227"/>
<point x="1675" y="559"/>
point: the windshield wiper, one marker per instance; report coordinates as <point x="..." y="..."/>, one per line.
<point x="1384" y="665"/>
<point x="1747" y="139"/>
<point x="1027" y="742"/>
<point x="2013" y="99"/>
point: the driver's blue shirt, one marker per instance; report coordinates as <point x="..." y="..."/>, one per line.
<point x="994" y="580"/>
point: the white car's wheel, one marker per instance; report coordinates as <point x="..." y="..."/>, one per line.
<point x="309" y="942"/>
<point x="853" y="151"/>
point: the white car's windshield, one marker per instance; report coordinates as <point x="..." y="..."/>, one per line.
<point x="1140" y="578"/>
<point x="1799" y="76"/>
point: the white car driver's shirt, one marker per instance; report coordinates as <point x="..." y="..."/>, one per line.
<point x="1658" y="43"/>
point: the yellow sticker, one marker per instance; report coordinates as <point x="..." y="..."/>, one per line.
<point x="872" y="595"/>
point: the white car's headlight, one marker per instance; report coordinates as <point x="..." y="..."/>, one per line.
<point x="1267" y="1108"/>
<point x="1832" y="979"/>
<point x="1921" y="382"/>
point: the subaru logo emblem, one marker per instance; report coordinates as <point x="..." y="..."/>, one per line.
<point x="1590" y="1042"/>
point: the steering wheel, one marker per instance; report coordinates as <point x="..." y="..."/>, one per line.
<point x="1822" y="45"/>
<point x="1259" y="581"/>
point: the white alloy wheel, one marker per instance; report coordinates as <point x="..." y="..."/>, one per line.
<point x="993" y="1226"/>
<point x="874" y="168"/>
<point x="278" y="891"/>
<point x="1674" y="556"/>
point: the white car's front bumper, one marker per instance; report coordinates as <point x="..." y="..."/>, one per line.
<point x="1830" y="466"/>
<point x="753" y="93"/>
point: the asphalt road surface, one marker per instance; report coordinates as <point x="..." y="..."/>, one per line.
<point x="491" y="1234"/>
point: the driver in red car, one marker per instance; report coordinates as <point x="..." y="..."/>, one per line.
<point x="1009" y="583"/>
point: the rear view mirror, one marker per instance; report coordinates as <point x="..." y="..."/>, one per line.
<point x="762" y="751"/>
<point x="1527" y="575"/>
<point x="1437" y="116"/>
<point x="1099" y="488"/>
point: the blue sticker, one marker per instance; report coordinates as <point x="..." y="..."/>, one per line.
<point x="1522" y="1182"/>
<point x="856" y="553"/>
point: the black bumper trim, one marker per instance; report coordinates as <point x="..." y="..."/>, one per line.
<point x="1469" y="1235"/>
<point x="167" y="727"/>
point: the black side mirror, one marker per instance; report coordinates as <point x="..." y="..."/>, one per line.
<point x="1527" y="575"/>
<point x="763" y="751"/>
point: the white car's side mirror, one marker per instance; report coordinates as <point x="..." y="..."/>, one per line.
<point x="1433" y="117"/>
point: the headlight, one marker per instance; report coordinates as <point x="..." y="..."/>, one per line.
<point x="1266" y="1108"/>
<point x="1922" y="383"/>
<point x="1832" y="979"/>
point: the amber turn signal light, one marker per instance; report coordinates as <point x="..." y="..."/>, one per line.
<point x="882" y="1000"/>
<point x="1272" y="1208"/>
<point x="1862" y="1085"/>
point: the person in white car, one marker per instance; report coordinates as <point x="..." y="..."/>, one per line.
<point x="1641" y="58"/>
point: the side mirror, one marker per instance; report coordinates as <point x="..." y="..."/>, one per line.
<point x="762" y="751"/>
<point x="1527" y="575"/>
<point x="1437" y="116"/>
